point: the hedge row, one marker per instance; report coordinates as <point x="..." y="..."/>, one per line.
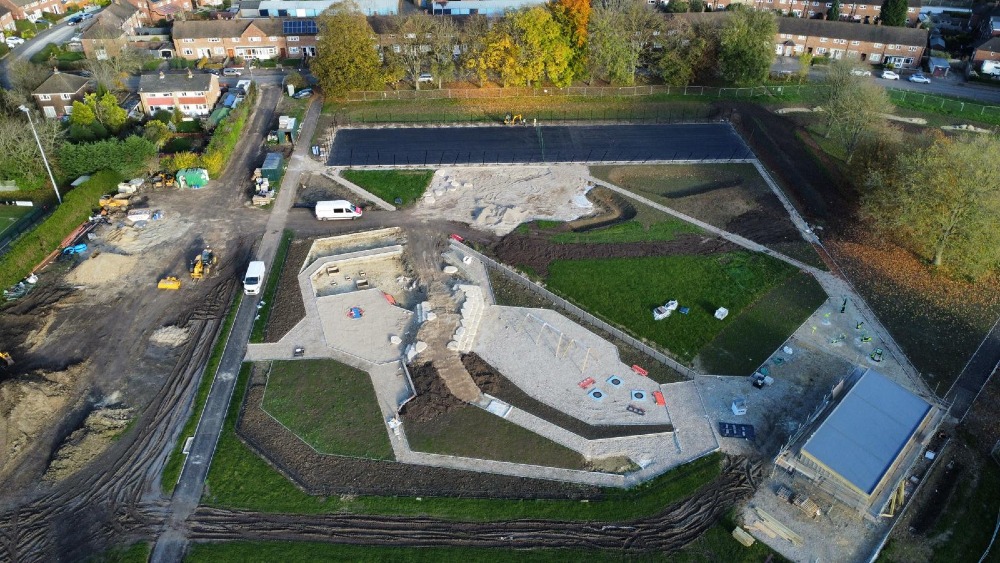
<point x="77" y="206"/>
<point x="128" y="157"/>
<point x="227" y="135"/>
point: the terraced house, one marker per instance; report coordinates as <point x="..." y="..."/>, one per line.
<point x="902" y="47"/>
<point x="857" y="12"/>
<point x="32" y="9"/>
<point x="109" y="33"/>
<point x="247" y="39"/>
<point x="194" y="94"/>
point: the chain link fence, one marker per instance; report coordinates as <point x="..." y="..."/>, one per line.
<point x="950" y="106"/>
<point x="39" y="212"/>
<point x="585" y="91"/>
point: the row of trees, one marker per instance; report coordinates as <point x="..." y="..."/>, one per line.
<point x="557" y="44"/>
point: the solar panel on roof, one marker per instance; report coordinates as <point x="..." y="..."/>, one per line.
<point x="299" y="27"/>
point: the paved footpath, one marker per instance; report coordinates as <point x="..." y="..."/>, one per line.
<point x="172" y="544"/>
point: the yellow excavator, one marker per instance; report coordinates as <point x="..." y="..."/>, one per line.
<point x="511" y="119"/>
<point x="202" y="264"/>
<point x="115" y="202"/>
<point x="6" y="359"/>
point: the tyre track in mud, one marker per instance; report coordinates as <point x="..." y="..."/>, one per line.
<point x="667" y="531"/>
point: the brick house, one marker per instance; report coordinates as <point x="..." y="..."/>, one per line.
<point x="989" y="51"/>
<point x="32" y="9"/>
<point x="111" y="29"/>
<point x="858" y="12"/>
<point x="56" y="95"/>
<point x="876" y="44"/>
<point x="154" y="10"/>
<point x="195" y="94"/>
<point x="6" y="19"/>
<point x="261" y="39"/>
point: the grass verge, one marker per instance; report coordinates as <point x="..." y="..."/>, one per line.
<point x="625" y="291"/>
<point x="136" y="553"/>
<point x="392" y="185"/>
<point x="271" y="287"/>
<point x="971" y="516"/>
<point x="629" y="231"/>
<point x="751" y="338"/>
<point x="175" y="463"/>
<point x="329" y="405"/>
<point x="240" y="479"/>
<point x="495" y="439"/>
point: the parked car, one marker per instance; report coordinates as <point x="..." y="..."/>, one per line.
<point x="303" y="94"/>
<point x="74" y="20"/>
<point x="14" y="42"/>
<point x="919" y="78"/>
<point x="232" y="72"/>
<point x="860" y="72"/>
<point x="425" y="77"/>
<point x="214" y="71"/>
<point x="86" y="16"/>
<point x="889" y="75"/>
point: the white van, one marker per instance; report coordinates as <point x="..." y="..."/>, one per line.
<point x="337" y="209"/>
<point x="254" y="280"/>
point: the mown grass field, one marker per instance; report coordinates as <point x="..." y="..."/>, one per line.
<point x="753" y="336"/>
<point x="406" y="186"/>
<point x="493" y="438"/>
<point x="240" y="479"/>
<point x="629" y="231"/>
<point x="626" y="290"/>
<point x="329" y="405"/>
<point x="10" y="215"/>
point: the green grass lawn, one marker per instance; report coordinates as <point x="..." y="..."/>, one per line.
<point x="136" y="553"/>
<point x="240" y="479"/>
<point x="971" y="516"/>
<point x="10" y="215"/>
<point x="753" y="336"/>
<point x="494" y="438"/>
<point x="178" y="144"/>
<point x="630" y="231"/>
<point x="625" y="291"/>
<point x="329" y="405"/>
<point x="390" y="185"/>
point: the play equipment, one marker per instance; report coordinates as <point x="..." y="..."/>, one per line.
<point x="201" y="265"/>
<point x="638" y="395"/>
<point x="665" y="311"/>
<point x="586" y="383"/>
<point x="355" y="313"/>
<point x="596" y="394"/>
<point x="876" y="355"/>
<point x="169" y="282"/>
<point x="636" y="410"/>
<point x="658" y="397"/>
<point x="615" y="381"/>
<point x="640" y="371"/>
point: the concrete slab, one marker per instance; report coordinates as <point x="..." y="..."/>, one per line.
<point x="367" y="336"/>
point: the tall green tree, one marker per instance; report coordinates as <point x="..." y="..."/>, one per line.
<point x="746" y="47"/>
<point x="622" y="39"/>
<point x="683" y="54"/>
<point x="346" y="55"/>
<point x="833" y="14"/>
<point x="943" y="201"/>
<point x="893" y="13"/>
<point x="525" y="47"/>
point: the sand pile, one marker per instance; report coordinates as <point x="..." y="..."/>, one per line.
<point x="152" y="234"/>
<point x="100" y="428"/>
<point x="498" y="199"/>
<point x="169" y="336"/>
<point x="103" y="269"/>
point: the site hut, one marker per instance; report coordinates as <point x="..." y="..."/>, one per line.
<point x="862" y="442"/>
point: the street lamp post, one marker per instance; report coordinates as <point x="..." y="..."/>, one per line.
<point x="55" y="186"/>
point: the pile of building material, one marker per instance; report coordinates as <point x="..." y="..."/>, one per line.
<point x="472" y="315"/>
<point x="772" y="528"/>
<point x="262" y="192"/>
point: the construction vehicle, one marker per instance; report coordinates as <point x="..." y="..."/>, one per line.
<point x="169" y="282"/>
<point x="112" y="202"/>
<point x="511" y="119"/>
<point x="202" y="264"/>
<point x="162" y="180"/>
<point x="6" y="359"/>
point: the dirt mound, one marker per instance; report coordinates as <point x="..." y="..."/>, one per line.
<point x="169" y="336"/>
<point x="100" y="428"/>
<point x="488" y="380"/>
<point x="537" y="252"/>
<point x="103" y="269"/>
<point x="287" y="309"/>
<point x="614" y="209"/>
<point x="30" y="406"/>
<point x="433" y="397"/>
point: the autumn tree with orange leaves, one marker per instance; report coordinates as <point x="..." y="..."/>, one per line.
<point x="573" y="16"/>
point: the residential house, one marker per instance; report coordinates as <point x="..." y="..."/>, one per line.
<point x="988" y="51"/>
<point x="155" y="10"/>
<point x="32" y="9"/>
<point x="56" y="95"/>
<point x="312" y="8"/>
<point x="858" y="12"/>
<point x="259" y="39"/>
<point x="902" y="47"/>
<point x="194" y="94"/>
<point x="111" y="30"/>
<point x="6" y="19"/>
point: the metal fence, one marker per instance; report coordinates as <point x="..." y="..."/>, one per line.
<point x="25" y="224"/>
<point x="941" y="104"/>
<point x="586" y="91"/>
<point x="577" y="312"/>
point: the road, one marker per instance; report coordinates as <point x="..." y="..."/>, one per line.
<point x="491" y="145"/>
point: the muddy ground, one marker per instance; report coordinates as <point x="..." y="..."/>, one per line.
<point x="329" y="474"/>
<point x="287" y="308"/>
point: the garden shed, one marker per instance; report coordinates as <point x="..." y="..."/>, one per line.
<point x="287" y="129"/>
<point x="271" y="169"/>
<point x="938" y="66"/>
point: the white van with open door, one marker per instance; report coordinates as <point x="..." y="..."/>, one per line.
<point x="254" y="279"/>
<point x="337" y="209"/>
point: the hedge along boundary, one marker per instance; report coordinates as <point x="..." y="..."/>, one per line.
<point x="28" y="251"/>
<point x="228" y="134"/>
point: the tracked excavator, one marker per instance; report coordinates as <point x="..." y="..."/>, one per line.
<point x="202" y="264"/>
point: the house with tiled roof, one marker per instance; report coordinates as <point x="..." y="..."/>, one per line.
<point x="109" y="33"/>
<point x="903" y="47"/>
<point x="988" y="51"/>
<point x="276" y="38"/>
<point x="193" y="93"/>
<point x="32" y="9"/>
<point x="6" y="19"/>
<point x="56" y="95"/>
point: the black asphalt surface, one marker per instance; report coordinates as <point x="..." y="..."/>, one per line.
<point x="525" y="144"/>
<point x="976" y="374"/>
